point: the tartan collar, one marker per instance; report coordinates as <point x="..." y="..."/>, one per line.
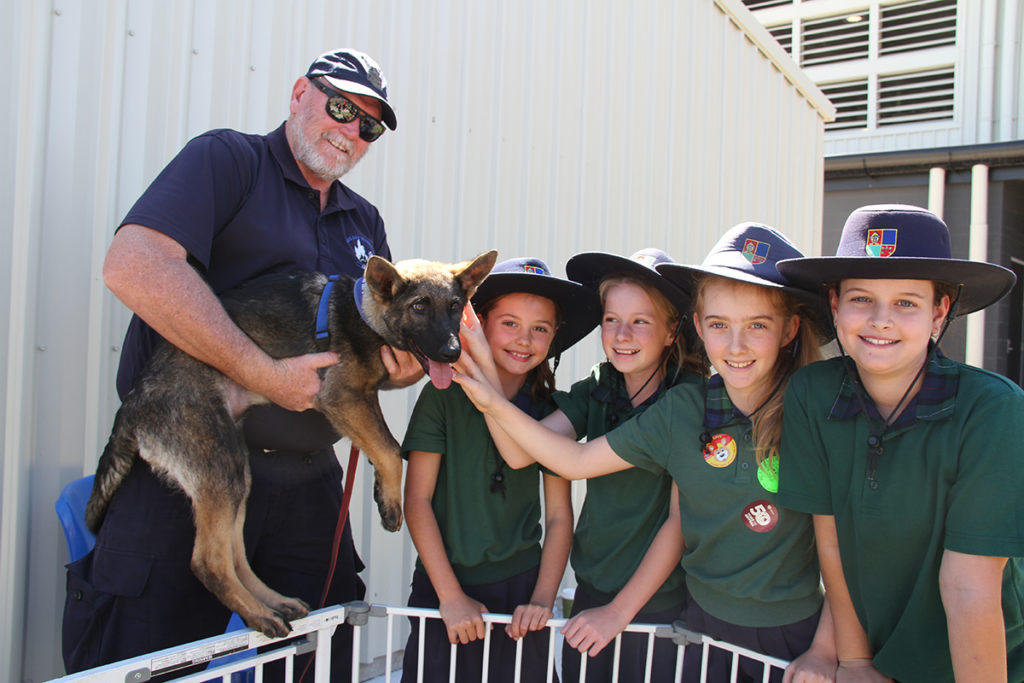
<point x="718" y="408"/>
<point x="935" y="400"/>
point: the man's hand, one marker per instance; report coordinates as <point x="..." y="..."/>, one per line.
<point x="291" y="383"/>
<point x="403" y="368"/>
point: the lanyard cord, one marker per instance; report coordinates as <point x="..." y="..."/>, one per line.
<point x="876" y="436"/>
<point x="705" y="435"/>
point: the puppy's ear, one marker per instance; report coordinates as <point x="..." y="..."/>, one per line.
<point x="472" y="274"/>
<point x="382" y="278"/>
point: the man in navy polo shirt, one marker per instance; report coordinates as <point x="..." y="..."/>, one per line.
<point x="229" y="207"/>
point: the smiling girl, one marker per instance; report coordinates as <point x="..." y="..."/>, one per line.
<point x="627" y="544"/>
<point x="749" y="564"/>
<point x="909" y="461"/>
<point x="474" y="521"/>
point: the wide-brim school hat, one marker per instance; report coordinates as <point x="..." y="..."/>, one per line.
<point x="896" y="241"/>
<point x="355" y="72"/>
<point x="748" y="252"/>
<point x="592" y="267"/>
<point x="579" y="306"/>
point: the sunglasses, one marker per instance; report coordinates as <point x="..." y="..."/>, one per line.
<point x="344" y="110"/>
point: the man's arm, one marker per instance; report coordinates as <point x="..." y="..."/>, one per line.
<point x="149" y="273"/>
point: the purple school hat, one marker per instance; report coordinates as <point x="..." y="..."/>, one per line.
<point x="897" y="241"/>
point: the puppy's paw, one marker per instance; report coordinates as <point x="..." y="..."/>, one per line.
<point x="271" y="625"/>
<point x="290" y="609"/>
<point x="390" y="511"/>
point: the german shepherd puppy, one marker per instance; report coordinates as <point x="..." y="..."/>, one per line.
<point x="184" y="417"/>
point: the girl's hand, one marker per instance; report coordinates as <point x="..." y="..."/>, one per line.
<point x="463" y="617"/>
<point x="858" y="671"/>
<point x="526" y="618"/>
<point x="811" y="667"/>
<point x="591" y="630"/>
<point x="474" y="370"/>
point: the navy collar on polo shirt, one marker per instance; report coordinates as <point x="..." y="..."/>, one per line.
<point x="277" y="140"/>
<point x="935" y="401"/>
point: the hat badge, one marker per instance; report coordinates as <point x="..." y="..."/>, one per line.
<point x="375" y="78"/>
<point x="881" y="242"/>
<point x="533" y="270"/>
<point x="756" y="252"/>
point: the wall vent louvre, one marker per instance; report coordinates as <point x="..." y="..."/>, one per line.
<point x="834" y="39"/>
<point x="917" y="26"/>
<point x="915" y="97"/>
<point x="850" y="99"/>
<point x="761" y="4"/>
<point x="784" y="34"/>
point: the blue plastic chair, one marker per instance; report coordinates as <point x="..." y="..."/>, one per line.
<point x="71" y="513"/>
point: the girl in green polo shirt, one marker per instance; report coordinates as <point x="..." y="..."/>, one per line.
<point x="909" y="462"/>
<point x="476" y="522"/>
<point x="627" y="545"/>
<point x="750" y="566"/>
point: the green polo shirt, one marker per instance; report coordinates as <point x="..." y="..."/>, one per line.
<point x="950" y="476"/>
<point x="489" y="535"/>
<point x="747" y="560"/>
<point x="623" y="511"/>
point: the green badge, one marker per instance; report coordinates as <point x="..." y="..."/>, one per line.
<point x="768" y="474"/>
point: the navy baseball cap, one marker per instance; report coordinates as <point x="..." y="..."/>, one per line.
<point x="355" y="72"/>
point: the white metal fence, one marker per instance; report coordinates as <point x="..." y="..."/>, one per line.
<point x="235" y="653"/>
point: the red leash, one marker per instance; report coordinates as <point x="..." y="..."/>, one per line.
<point x="339" y="528"/>
<point x="346" y="498"/>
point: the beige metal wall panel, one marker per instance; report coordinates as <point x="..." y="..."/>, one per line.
<point x="534" y="127"/>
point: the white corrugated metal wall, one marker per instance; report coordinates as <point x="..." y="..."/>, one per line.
<point x="534" y="127"/>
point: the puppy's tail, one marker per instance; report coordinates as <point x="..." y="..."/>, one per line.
<point x="113" y="467"/>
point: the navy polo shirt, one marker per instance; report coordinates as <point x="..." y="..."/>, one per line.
<point x="241" y="208"/>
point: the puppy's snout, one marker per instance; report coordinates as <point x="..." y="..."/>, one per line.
<point x="451" y="351"/>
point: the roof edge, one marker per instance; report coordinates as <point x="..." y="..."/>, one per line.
<point x="759" y="36"/>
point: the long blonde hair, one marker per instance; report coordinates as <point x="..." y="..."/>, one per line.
<point x="679" y="357"/>
<point x="803" y="350"/>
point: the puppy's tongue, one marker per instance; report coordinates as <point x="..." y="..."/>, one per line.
<point x="440" y="374"/>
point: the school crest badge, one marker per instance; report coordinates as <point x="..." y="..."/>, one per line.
<point x="881" y="242"/>
<point x="533" y="270"/>
<point x="755" y="252"/>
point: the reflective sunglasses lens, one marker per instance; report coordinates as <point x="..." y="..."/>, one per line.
<point x="370" y="129"/>
<point x="341" y="110"/>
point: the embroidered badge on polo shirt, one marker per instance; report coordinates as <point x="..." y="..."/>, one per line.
<point x="761" y="516"/>
<point x="881" y="242"/>
<point x="720" y="451"/>
<point x="756" y="252"/>
<point x="361" y="249"/>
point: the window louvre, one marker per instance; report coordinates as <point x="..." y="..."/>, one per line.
<point x="834" y="39"/>
<point x="916" y="97"/>
<point x="784" y="34"/>
<point x="761" y="4"/>
<point x="850" y="99"/>
<point x="917" y="26"/>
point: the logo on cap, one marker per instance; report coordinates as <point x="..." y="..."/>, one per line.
<point x="376" y="80"/>
<point x="755" y="252"/>
<point x="881" y="242"/>
<point x="533" y="270"/>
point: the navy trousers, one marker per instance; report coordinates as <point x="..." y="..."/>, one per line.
<point x="632" y="651"/>
<point x="500" y="597"/>
<point x="135" y="592"/>
<point x="784" y="642"/>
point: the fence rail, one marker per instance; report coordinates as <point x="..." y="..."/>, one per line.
<point x="234" y="654"/>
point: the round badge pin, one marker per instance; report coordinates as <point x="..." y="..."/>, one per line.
<point x="768" y="474"/>
<point x="761" y="516"/>
<point x="720" y="451"/>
